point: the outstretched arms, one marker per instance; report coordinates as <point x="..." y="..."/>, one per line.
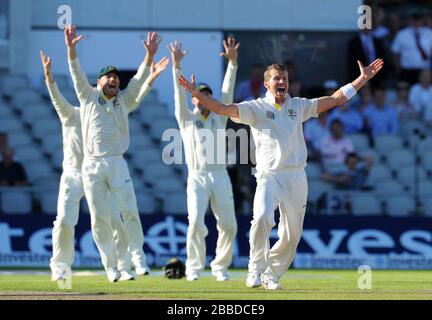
<point x="230" y="110"/>
<point x="64" y="109"/>
<point x="338" y="98"/>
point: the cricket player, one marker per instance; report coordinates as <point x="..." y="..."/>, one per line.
<point x="207" y="179"/>
<point x="71" y="190"/>
<point x="104" y="118"/>
<point x="276" y="123"/>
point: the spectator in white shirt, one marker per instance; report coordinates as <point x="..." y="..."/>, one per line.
<point x="314" y="130"/>
<point x="420" y="96"/>
<point x="412" y="49"/>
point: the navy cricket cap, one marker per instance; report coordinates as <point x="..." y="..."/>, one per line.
<point x="107" y="70"/>
<point x="204" y="87"/>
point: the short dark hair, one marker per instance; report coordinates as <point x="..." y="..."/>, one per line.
<point x="274" y="66"/>
<point x="350" y="155"/>
<point x="336" y="121"/>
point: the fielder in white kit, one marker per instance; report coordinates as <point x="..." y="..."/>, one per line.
<point x="276" y="123"/>
<point x="104" y="118"/>
<point x="207" y="179"/>
<point x="72" y="191"/>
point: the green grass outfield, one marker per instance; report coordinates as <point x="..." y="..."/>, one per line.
<point x="298" y="284"/>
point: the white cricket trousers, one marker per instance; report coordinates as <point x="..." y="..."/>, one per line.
<point x="288" y="190"/>
<point x="111" y="174"/>
<point x="215" y="187"/>
<point x="71" y="192"/>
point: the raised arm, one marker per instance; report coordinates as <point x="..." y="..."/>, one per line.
<point x="82" y="87"/>
<point x="181" y="110"/>
<point x="64" y="109"/>
<point x="132" y="92"/>
<point x="343" y="94"/>
<point x="230" y="110"/>
<point x="230" y="53"/>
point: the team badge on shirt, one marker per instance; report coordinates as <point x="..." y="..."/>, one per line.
<point x="270" y="115"/>
<point x="199" y="124"/>
<point x="292" y="114"/>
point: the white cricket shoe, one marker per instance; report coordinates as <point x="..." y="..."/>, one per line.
<point x="60" y="273"/>
<point x="113" y="275"/>
<point x="269" y="283"/>
<point x="253" y="280"/>
<point x="142" y="270"/>
<point x="221" y="275"/>
<point x="192" y="276"/>
<point x="127" y="275"/>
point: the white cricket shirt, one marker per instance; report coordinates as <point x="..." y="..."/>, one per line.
<point x="278" y="134"/>
<point x="105" y="125"/>
<point x="71" y="129"/>
<point x="203" y="150"/>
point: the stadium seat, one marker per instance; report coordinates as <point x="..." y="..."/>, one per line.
<point x="37" y="170"/>
<point x="6" y="110"/>
<point x="144" y="156"/>
<point x="427" y="207"/>
<point x="313" y="171"/>
<point x="141" y="142"/>
<point x="424" y="189"/>
<point x="24" y="98"/>
<point x="145" y="202"/>
<point x="52" y="143"/>
<point x="150" y="111"/>
<point x="378" y="173"/>
<point x="11" y="124"/>
<point x="169" y="184"/>
<point x="28" y="154"/>
<point x="48" y="201"/>
<point x="399" y="158"/>
<point x="360" y="141"/>
<point x="386" y="143"/>
<point x="10" y="83"/>
<point x="426" y="160"/>
<point x="407" y="128"/>
<point x="16" y="200"/>
<point x="400" y="206"/>
<point x="317" y="188"/>
<point x="19" y="139"/>
<point x="406" y="175"/>
<point x="31" y="114"/>
<point x="160" y="125"/>
<point x="155" y="171"/>
<point x="365" y="204"/>
<point x="44" y="127"/>
<point x="175" y="203"/>
<point x="388" y="188"/>
<point x="135" y="128"/>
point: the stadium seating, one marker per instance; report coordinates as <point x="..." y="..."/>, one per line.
<point x="16" y="200"/>
<point x="386" y="143"/>
<point x="400" y="206"/>
<point x="175" y="203"/>
<point x="365" y="204"/>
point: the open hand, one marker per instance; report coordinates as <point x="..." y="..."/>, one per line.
<point x="177" y="53"/>
<point x="188" y="86"/>
<point x="46" y="63"/>
<point x="231" y="49"/>
<point x="371" y="70"/>
<point x="157" y="68"/>
<point x="152" y="43"/>
<point x="71" y="37"/>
